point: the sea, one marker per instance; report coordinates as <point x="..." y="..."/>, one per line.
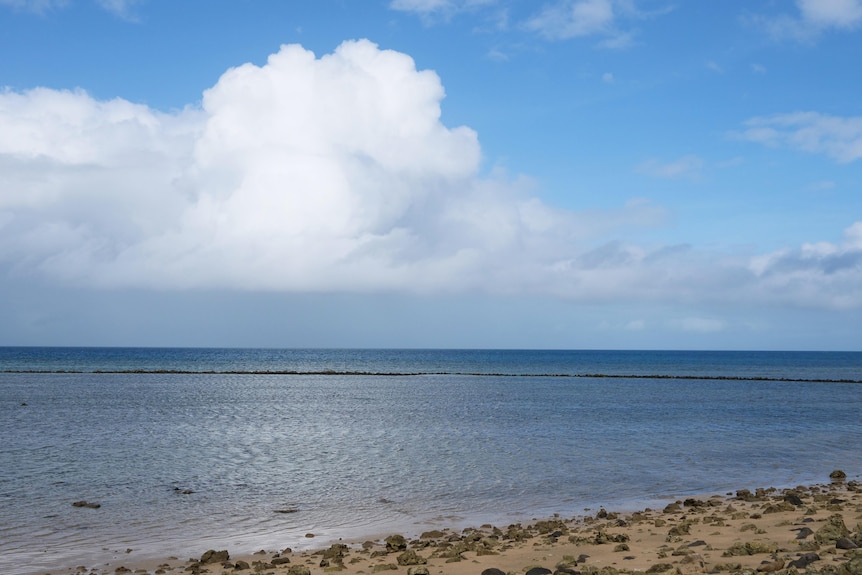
<point x="184" y="450"/>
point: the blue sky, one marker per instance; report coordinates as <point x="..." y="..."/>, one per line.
<point x="431" y="173"/>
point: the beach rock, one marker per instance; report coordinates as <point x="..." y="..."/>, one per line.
<point x="804" y="533"/>
<point x="832" y="531"/>
<point x="660" y="568"/>
<point x="280" y="560"/>
<point x="299" y="570"/>
<point x="420" y="570"/>
<point x="852" y="567"/>
<point x="241" y="566"/>
<point x="539" y="571"/>
<point x="87" y="504"/>
<point x="493" y="571"/>
<point x="793" y="499"/>
<point x="212" y="556"/>
<point x="410" y="557"/>
<point x="691" y="565"/>
<point x="434" y="534"/>
<point x="750" y="548"/>
<point x="845" y="543"/>
<point x="837" y="476"/>
<point x="804" y="560"/>
<point x="771" y="566"/>
<point x="395" y="543"/>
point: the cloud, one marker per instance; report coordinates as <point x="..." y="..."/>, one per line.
<point x="35" y="6"/>
<point x="838" y="137"/>
<point x="565" y="19"/>
<point x="428" y="8"/>
<point x="698" y="325"/>
<point x="336" y="174"/>
<point x="685" y="167"/>
<point x="814" y="17"/>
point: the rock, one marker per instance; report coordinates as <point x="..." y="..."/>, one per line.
<point x="845" y="543"/>
<point x="793" y="499"/>
<point x="804" y="533"/>
<point x="434" y="534"/>
<point x="538" y="571"/>
<point x="771" y="566"/>
<point x="493" y="571"/>
<point x="837" y="476"/>
<point x="566" y="571"/>
<point x="288" y="510"/>
<point x="804" y="560"/>
<point x="410" y="557"/>
<point x="690" y="565"/>
<point x="832" y="531"/>
<point x="299" y="570"/>
<point x="852" y="567"/>
<point x="420" y="570"/>
<point x="212" y="556"/>
<point x="384" y="567"/>
<point x="750" y="548"/>
<point x="282" y="560"/>
<point x="395" y="543"/>
<point x="660" y="568"/>
<point x="241" y="566"/>
<point x="86" y="504"/>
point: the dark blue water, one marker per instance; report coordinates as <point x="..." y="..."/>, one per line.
<point x="359" y="455"/>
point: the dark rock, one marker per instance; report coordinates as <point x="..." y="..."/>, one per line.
<point x="213" y="556"/>
<point x="281" y="560"/>
<point x="289" y="510"/>
<point x="539" y="571"/>
<point x="660" y="568"/>
<point x="793" y="499"/>
<point x="698" y="543"/>
<point x="418" y="570"/>
<point x="241" y="566"/>
<point x="493" y="571"/>
<point x="299" y="570"/>
<point x="566" y="571"/>
<point x="804" y="532"/>
<point x="804" y="560"/>
<point x="86" y="504"/>
<point x="845" y="543"/>
<point x="837" y="475"/>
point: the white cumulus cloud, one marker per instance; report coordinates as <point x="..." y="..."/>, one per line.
<point x="336" y="173"/>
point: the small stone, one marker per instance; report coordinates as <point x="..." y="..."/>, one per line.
<point x="538" y="571"/>
<point x="86" y="504"/>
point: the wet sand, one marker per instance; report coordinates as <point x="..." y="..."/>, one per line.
<point x="807" y="529"/>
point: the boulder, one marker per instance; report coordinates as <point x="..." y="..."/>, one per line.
<point x="832" y="531"/>
<point x="213" y="556"/>
<point x="395" y="543"/>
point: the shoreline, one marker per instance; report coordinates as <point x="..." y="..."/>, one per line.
<point x="741" y="532"/>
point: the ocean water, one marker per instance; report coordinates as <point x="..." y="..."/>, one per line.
<point x="190" y="449"/>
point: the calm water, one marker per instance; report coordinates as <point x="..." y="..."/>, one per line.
<point x="361" y="455"/>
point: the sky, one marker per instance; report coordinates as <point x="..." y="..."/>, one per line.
<point x="576" y="174"/>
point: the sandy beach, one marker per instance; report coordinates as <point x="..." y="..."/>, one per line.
<point x="806" y="529"/>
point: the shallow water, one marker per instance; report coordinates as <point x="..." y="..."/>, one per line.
<point x="365" y="454"/>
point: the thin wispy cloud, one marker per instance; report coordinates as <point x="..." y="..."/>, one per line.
<point x="688" y="167"/>
<point x="836" y="136"/>
<point x="812" y="18"/>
